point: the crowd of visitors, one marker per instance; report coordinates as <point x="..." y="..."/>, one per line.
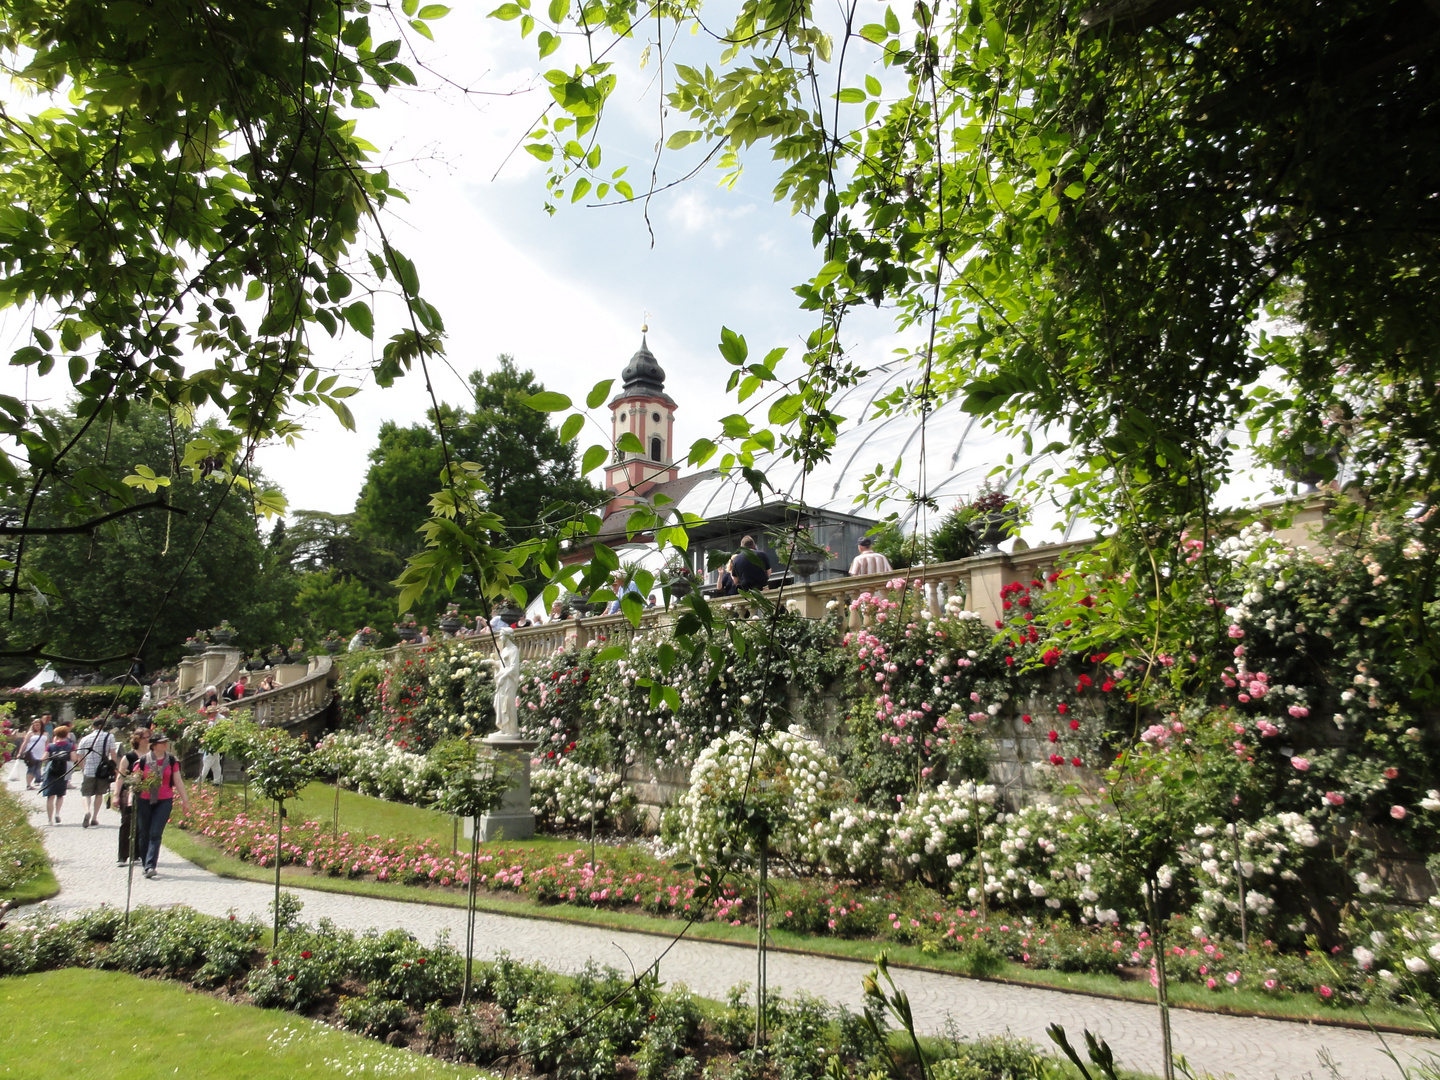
<point x="137" y="777"/>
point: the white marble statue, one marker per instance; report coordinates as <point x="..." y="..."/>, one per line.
<point x="507" y="682"/>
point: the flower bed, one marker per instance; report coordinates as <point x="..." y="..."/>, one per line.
<point x="628" y="881"/>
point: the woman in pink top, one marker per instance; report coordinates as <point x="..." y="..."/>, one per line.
<point x="160" y="782"/>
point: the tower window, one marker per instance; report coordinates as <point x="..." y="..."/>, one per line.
<point x="655" y="418"/>
<point x="655" y="450"/>
<point x="622" y="416"/>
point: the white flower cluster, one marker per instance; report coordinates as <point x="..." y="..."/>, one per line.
<point x="1267" y="851"/>
<point x="565" y="794"/>
<point x="932" y="836"/>
<point x="1023" y="864"/>
<point x="370" y="765"/>
<point x="784" y="780"/>
<point x="933" y="831"/>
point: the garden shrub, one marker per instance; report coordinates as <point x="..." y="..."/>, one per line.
<point x="373" y="1014"/>
<point x="565" y="795"/>
<point x="507" y="981"/>
<point x="782" y="782"/>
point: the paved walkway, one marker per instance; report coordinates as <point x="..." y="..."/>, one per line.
<point x="1247" y="1049"/>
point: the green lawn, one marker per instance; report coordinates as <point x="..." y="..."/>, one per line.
<point x="102" y="1025"/>
<point x="20" y="844"/>
<point x="368" y="816"/>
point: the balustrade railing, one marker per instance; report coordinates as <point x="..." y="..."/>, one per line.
<point x="294" y="702"/>
<point x="978" y="581"/>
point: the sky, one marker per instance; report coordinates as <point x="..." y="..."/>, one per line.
<point x="565" y="294"/>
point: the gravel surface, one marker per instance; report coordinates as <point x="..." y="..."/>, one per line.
<point x="1247" y="1049"/>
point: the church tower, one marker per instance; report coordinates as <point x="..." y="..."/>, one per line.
<point x="644" y="410"/>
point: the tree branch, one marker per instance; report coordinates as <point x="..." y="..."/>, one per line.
<point x="88" y="526"/>
<point x="37" y="652"/>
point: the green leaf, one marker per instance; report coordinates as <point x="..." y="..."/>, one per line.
<point x="787" y="408"/>
<point x="851" y="95"/>
<point x="872" y="84"/>
<point x="629" y="442"/>
<point x="359" y="316"/>
<point x="598" y="393"/>
<point x="254" y="291"/>
<point x="733" y="347"/>
<point x="610" y="655"/>
<point x="559" y="9"/>
<point x="421" y="29"/>
<point x="434" y="11"/>
<point x="828" y="273"/>
<point x="594" y="457"/>
<point x="571" y="427"/>
<point x="548" y="401"/>
<point x="874" y="32"/>
<point x="735" y="426"/>
<point x="682" y="139"/>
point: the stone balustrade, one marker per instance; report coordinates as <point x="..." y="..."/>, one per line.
<point x="977" y="580"/>
<point x="297" y="699"/>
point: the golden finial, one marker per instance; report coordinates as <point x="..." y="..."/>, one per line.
<point x="645" y="326"/>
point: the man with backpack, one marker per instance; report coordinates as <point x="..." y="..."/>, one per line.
<point x="749" y="567"/>
<point x="97" y="753"/>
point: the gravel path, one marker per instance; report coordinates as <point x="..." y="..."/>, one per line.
<point x="1247" y="1049"/>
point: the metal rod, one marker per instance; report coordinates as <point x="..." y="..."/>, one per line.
<point x="1162" y="988"/>
<point x="761" y="1034"/>
<point x="470" y="909"/>
<point x="279" y="825"/>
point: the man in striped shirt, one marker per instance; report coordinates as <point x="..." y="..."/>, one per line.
<point x="869" y="561"/>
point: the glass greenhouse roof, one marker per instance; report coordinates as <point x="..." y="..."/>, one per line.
<point x="959" y="453"/>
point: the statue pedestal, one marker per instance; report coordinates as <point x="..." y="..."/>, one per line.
<point x="513" y="820"/>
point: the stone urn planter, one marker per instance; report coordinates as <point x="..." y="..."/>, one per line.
<point x="333" y="645"/>
<point x="367" y="640"/>
<point x="223" y="637"/>
<point x="255" y="665"/>
<point x="509" y="612"/>
<point x="681" y="588"/>
<point x="993" y="529"/>
<point x="409" y="633"/>
<point x="449" y="624"/>
<point x="197" y="647"/>
<point x="804" y="566"/>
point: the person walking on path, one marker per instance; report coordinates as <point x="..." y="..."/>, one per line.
<point x="211" y="764"/>
<point x="96" y="754"/>
<point x="59" y="760"/>
<point x="160" y="782"/>
<point x="869" y="561"/>
<point x="139" y="747"/>
<point x="32" y="752"/>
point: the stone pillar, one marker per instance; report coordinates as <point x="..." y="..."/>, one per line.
<point x="987" y="577"/>
<point x="285" y="674"/>
<point x="188" y="678"/>
<point x="513" y="820"/>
